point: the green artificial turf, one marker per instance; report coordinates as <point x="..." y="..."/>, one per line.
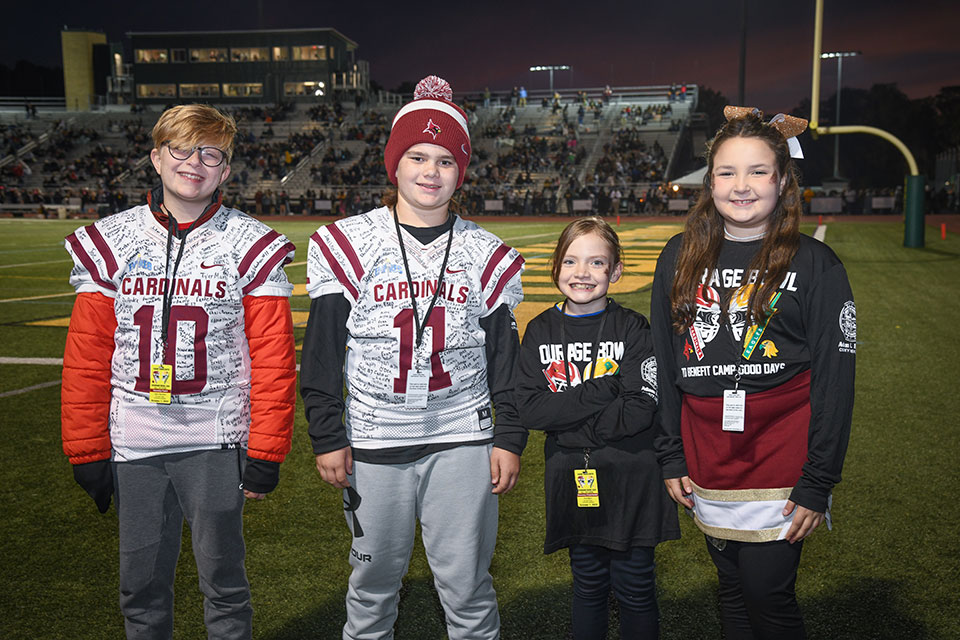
<point x="889" y="569"/>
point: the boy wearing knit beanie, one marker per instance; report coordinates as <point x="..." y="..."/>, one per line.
<point x="412" y="308"/>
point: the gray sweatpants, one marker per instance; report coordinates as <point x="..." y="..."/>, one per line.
<point x="450" y="493"/>
<point x="154" y="495"/>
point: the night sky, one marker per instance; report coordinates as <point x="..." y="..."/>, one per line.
<point x="913" y="44"/>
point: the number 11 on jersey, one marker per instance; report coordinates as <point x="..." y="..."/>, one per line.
<point x="439" y="379"/>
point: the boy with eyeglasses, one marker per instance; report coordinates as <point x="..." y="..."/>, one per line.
<point x="179" y="375"/>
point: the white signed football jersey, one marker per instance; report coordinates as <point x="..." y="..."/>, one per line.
<point x="360" y="258"/>
<point x="229" y="256"/>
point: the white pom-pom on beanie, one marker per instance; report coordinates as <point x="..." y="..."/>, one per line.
<point x="433" y="118"/>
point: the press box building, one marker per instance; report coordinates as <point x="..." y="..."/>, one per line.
<point x="266" y="66"/>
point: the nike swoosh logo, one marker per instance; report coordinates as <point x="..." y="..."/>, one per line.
<point x="209" y="266"/>
<point x="449" y="270"/>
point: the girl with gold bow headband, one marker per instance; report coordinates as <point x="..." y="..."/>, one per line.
<point x="754" y="329"/>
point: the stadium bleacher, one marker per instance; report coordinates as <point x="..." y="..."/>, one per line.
<point x="552" y="155"/>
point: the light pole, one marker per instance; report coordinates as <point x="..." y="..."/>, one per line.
<point x="742" y="84"/>
<point x="551" y="68"/>
<point x="839" y="55"/>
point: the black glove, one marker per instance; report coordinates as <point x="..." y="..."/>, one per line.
<point x="96" y="478"/>
<point x="260" y="476"/>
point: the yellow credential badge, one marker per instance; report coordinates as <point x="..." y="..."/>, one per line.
<point x="588" y="492"/>
<point x="161" y="382"/>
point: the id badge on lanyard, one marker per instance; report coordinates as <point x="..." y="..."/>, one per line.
<point x="418" y="387"/>
<point x="588" y="493"/>
<point x="734" y="409"/>
<point x="588" y="489"/>
<point x="161" y="383"/>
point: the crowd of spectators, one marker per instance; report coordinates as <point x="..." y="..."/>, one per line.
<point x="335" y="167"/>
<point x="14" y="137"/>
<point x="628" y="159"/>
<point x="271" y="157"/>
<point x="530" y="169"/>
<point x="329" y="113"/>
<point x="266" y="113"/>
<point x="633" y="115"/>
<point x="81" y="156"/>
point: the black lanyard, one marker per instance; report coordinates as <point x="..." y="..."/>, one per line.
<point x="736" y="349"/>
<point x="420" y="327"/>
<point x="171" y="278"/>
<point x="563" y="341"/>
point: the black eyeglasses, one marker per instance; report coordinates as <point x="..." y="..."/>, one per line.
<point x="209" y="156"/>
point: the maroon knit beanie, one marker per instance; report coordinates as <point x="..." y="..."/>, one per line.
<point x="431" y="117"/>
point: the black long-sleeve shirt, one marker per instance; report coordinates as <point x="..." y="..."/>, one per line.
<point x="814" y="328"/>
<point x="321" y="377"/>
<point x="607" y="419"/>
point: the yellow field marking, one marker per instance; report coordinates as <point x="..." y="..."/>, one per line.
<point x="50" y="322"/>
<point x="527" y="311"/>
<point x="536" y="261"/>
<point x="49" y="295"/>
<point x="299" y="289"/>
<point x="644" y="266"/>
<point x="653" y="232"/>
<point x="300" y="318"/>
<point x="628" y="284"/>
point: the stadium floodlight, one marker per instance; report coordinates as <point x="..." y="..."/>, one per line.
<point x="839" y="55"/>
<point x="551" y="68"/>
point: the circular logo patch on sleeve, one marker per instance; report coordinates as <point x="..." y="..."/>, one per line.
<point x="848" y="321"/>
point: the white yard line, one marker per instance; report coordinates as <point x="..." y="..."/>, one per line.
<point x="50" y="361"/>
<point x="821" y="232"/>
<point x="42" y="385"/>
<point x="30" y="264"/>
<point x="49" y="295"/>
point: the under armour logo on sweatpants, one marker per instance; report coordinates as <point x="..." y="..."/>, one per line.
<point x="351" y="502"/>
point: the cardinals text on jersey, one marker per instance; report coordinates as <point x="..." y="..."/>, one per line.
<point x="226" y="258"/>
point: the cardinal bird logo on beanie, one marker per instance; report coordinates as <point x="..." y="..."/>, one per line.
<point x="432" y="129"/>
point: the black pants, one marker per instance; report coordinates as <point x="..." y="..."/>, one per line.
<point x="631" y="576"/>
<point x="757" y="597"/>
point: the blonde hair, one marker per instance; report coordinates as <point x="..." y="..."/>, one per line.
<point x="190" y="125"/>
<point x="582" y="227"/>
